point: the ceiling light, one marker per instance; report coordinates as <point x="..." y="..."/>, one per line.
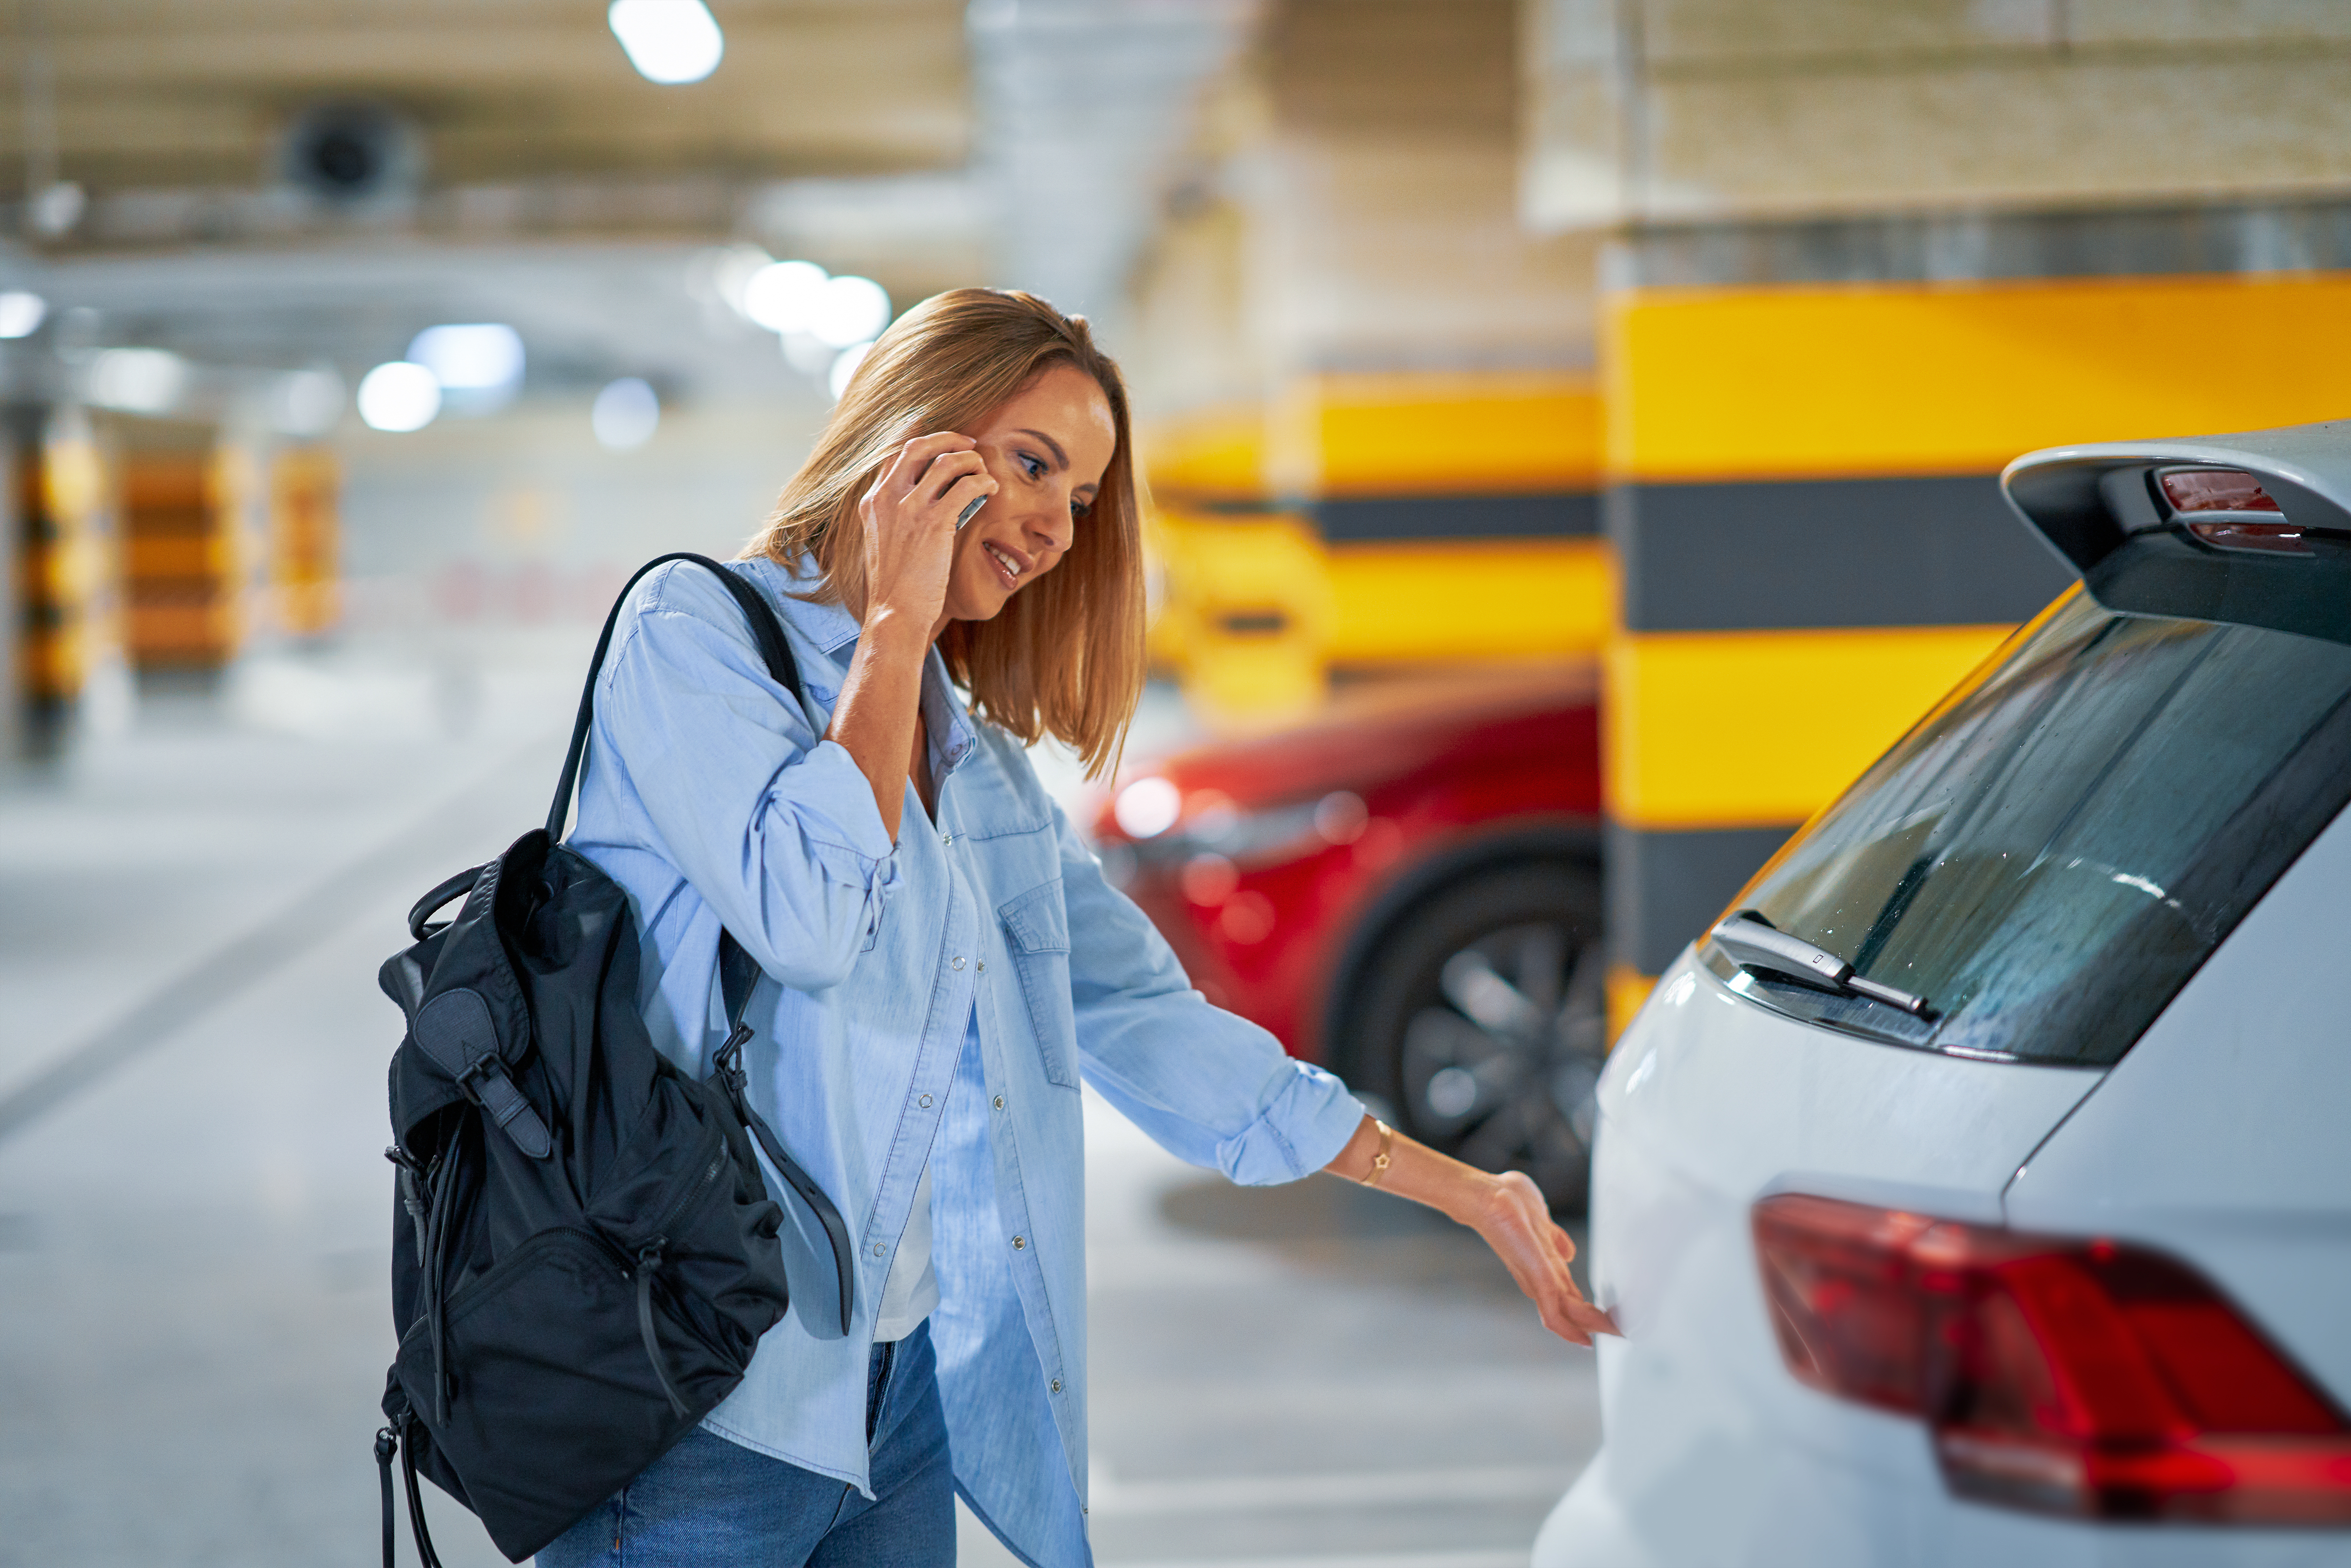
<point x="138" y="380"/>
<point x="669" y="41"/>
<point x="57" y="208"/>
<point x="21" y="312"/>
<point x="784" y="296"/>
<point x="479" y="357"/>
<point x="728" y="272"/>
<point x="399" y="396"/>
<point x="851" y="310"/>
<point x="308" y="403"/>
<point x="845" y="367"/>
<point x="625" y="414"/>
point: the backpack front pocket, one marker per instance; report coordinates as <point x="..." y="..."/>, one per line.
<point x="542" y="1428"/>
<point x="1037" y="930"/>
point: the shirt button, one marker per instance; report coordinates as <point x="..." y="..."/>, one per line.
<point x="879" y="1248"/>
<point x="982" y="966"/>
<point x="946" y="838"/>
<point x="955" y="963"/>
<point x="1019" y="1243"/>
<point x="1000" y="1102"/>
<point x="926" y="1102"/>
<point x="1057" y="1386"/>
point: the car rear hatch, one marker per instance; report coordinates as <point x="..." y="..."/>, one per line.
<point x="2041" y="865"/>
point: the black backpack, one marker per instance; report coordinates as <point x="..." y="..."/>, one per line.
<point x="584" y="1252"/>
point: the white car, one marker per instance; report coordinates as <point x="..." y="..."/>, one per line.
<point x="1978" y="1189"/>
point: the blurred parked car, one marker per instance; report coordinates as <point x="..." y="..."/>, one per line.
<point x="1408" y="892"/>
<point x="1977" y="1191"/>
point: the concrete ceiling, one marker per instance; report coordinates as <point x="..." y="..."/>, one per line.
<point x="539" y="180"/>
<point x="149" y="95"/>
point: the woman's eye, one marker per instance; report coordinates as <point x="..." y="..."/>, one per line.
<point x="1082" y="509"/>
<point x="1033" y="467"/>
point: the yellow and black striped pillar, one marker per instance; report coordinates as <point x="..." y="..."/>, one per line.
<point x="1461" y="516"/>
<point x="1805" y="423"/>
<point x="1379" y="521"/>
<point x="305" y="541"/>
<point x="57" y="582"/>
<point x="182" y="576"/>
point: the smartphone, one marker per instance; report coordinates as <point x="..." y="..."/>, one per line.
<point x="970" y="512"/>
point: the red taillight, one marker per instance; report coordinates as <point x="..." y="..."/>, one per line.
<point x="2191" y="490"/>
<point x="2093" y="1379"/>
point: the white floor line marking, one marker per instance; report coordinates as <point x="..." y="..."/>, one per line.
<point x="1114" y="1497"/>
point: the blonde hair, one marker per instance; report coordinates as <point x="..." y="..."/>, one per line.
<point x="1065" y="655"/>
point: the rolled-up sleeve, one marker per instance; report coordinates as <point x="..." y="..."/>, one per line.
<point x="1210" y="1087"/>
<point x="775" y="827"/>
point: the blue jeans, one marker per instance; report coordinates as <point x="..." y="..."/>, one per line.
<point x="709" y="1501"/>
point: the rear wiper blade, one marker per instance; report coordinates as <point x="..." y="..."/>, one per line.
<point x="1755" y="942"/>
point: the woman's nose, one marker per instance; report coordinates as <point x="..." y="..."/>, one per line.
<point x="1053" y="527"/>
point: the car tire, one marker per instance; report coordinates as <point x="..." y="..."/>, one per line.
<point x="1481" y="1019"/>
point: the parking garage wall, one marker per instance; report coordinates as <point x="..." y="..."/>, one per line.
<point x="1805" y="426"/>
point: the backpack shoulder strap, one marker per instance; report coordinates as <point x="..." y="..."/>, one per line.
<point x="765" y="630"/>
<point x="739" y="972"/>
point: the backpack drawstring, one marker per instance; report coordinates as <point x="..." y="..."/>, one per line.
<point x="648" y="1257"/>
<point x="392" y="1441"/>
<point x="386" y="1447"/>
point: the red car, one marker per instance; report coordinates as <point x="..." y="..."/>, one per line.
<point x="1407" y="892"/>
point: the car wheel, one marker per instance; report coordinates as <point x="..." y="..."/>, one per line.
<point x="1482" y="1019"/>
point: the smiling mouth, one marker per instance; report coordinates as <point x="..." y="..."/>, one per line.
<point x="1006" y="566"/>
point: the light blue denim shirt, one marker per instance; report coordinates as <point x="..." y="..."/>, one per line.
<point x="711" y="796"/>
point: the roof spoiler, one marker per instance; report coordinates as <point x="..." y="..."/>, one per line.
<point x="2253" y="529"/>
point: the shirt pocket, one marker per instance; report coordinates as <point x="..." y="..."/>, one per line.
<point x="1037" y="931"/>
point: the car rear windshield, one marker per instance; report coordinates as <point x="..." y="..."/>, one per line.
<point x="2054" y="849"/>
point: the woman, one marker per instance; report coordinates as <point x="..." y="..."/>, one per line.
<point x="943" y="961"/>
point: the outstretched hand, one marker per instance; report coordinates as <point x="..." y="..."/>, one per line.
<point x="1508" y="1211"/>
<point x="1518" y="1225"/>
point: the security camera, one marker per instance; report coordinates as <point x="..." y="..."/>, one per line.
<point x="352" y="154"/>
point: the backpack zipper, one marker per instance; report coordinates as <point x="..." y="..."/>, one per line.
<point x="695" y="1191"/>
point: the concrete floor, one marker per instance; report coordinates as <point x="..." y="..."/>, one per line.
<point x="193" y="1213"/>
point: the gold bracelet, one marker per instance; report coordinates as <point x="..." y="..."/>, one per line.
<point x="1379" y="1160"/>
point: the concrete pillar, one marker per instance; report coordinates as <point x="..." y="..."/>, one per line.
<point x="305" y="541"/>
<point x="1371" y="416"/>
<point x="185" y="556"/>
<point x="1863" y="257"/>
<point x="59" y="572"/>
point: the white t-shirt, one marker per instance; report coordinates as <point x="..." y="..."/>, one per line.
<point x="911" y="1292"/>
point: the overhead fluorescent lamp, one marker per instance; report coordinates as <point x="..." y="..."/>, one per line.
<point x="784" y="296"/>
<point x="669" y="41"/>
<point x="138" y="380"/>
<point x="308" y="403"/>
<point x="21" y="311"/>
<point x="476" y="356"/>
<point x="625" y="414"/>
<point x="848" y="311"/>
<point x="399" y="397"/>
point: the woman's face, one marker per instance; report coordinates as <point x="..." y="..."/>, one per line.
<point x="1047" y="447"/>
